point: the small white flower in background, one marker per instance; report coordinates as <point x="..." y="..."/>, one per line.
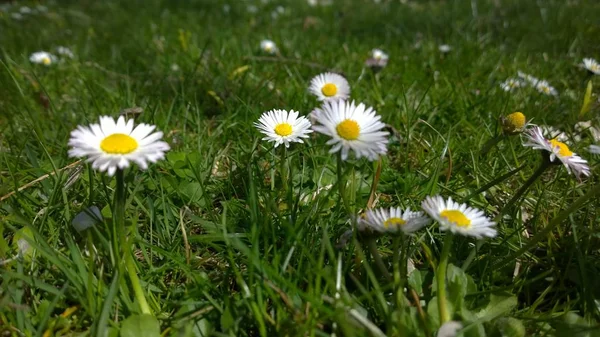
<point x="557" y="150"/>
<point x="111" y="145"/>
<point x="87" y="218"/>
<point x="64" y="51"/>
<point x="42" y="57"/>
<point x="449" y="329"/>
<point x="392" y="220"/>
<point x="351" y="127"/>
<point x="175" y="67"/>
<point x="591" y="65"/>
<point x="444" y="48"/>
<point x="531" y="80"/>
<point x="25" y="10"/>
<point x="226" y="8"/>
<point x="512" y="84"/>
<point x="551" y="132"/>
<point x="268" y="46"/>
<point x="16" y="16"/>
<point x="595" y="149"/>
<point x="252" y="9"/>
<point x="583" y="126"/>
<point x="545" y="88"/>
<point x="41" y="8"/>
<point x="283" y="127"/>
<point x="329" y="86"/>
<point x="314" y="3"/>
<point x="458" y="218"/>
<point x="378" y="59"/>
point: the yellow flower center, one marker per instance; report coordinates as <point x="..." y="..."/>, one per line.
<point x="563" y="149"/>
<point x="46" y="60"/>
<point x="595" y="67"/>
<point x="348" y="129"/>
<point x="393" y="222"/>
<point x="516" y="120"/>
<point x="283" y="129"/>
<point x="118" y="143"/>
<point x="329" y="90"/>
<point x="546" y="89"/>
<point x="456" y="217"/>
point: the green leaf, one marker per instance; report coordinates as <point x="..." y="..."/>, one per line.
<point x="457" y="286"/>
<point x="498" y="305"/>
<point x="587" y="100"/>
<point x="415" y="281"/>
<point x="510" y="327"/>
<point x="140" y="325"/>
<point x="191" y="191"/>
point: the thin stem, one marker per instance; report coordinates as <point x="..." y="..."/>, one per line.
<point x="374" y="184"/>
<point x="397" y="270"/>
<point x="118" y="230"/>
<point x="538" y="173"/>
<point x="441" y="279"/>
<point x="283" y="169"/>
<point x="491" y="143"/>
<point x="342" y="183"/>
<point x="135" y="283"/>
<point x="378" y="261"/>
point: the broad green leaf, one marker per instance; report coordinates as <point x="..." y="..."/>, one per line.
<point x="498" y="305"/>
<point x="140" y="325"/>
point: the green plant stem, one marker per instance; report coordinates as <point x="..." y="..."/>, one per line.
<point x="283" y="169"/>
<point x="441" y="279"/>
<point x="342" y="183"/>
<point x="397" y="266"/>
<point x="118" y="230"/>
<point x="135" y="283"/>
<point x="538" y="173"/>
<point x="491" y="143"/>
<point x="377" y="258"/>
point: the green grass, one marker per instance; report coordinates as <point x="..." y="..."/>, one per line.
<point x="220" y="249"/>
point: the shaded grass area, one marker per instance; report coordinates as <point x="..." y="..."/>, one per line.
<point x="220" y="249"/>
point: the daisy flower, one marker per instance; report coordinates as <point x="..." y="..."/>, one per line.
<point x="583" y="126"/>
<point x="512" y="84"/>
<point x="42" y="57"/>
<point x="283" y="127"/>
<point x="268" y="46"/>
<point x="378" y="59"/>
<point x="352" y="127"/>
<point x="392" y="220"/>
<point x="591" y="65"/>
<point x="458" y="218"/>
<point x="64" y="51"/>
<point x="545" y="88"/>
<point x="111" y="145"/>
<point x="444" y="48"/>
<point x="528" y="78"/>
<point x="557" y="150"/>
<point x="551" y="132"/>
<point x="329" y="86"/>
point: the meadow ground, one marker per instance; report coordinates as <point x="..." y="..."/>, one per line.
<point x="231" y="237"/>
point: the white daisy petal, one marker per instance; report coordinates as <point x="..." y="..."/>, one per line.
<point x="591" y="65"/>
<point x="268" y="47"/>
<point x="283" y="127"/>
<point x="458" y="218"/>
<point x="113" y="145"/>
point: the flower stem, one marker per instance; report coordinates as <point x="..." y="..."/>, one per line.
<point x="378" y="261"/>
<point x="135" y="283"/>
<point x="538" y="173"/>
<point x="342" y="183"/>
<point x="374" y="184"/>
<point x="118" y="230"/>
<point x="441" y="279"/>
<point x="491" y="143"/>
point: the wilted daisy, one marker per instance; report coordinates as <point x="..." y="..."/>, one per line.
<point x="42" y="57"/>
<point x="268" y="46"/>
<point x="393" y="219"/>
<point x="111" y="145"/>
<point x="458" y="218"/>
<point x="352" y="127"/>
<point x="513" y="123"/>
<point x="64" y="51"/>
<point x="512" y="84"/>
<point x="557" y="150"/>
<point x="591" y="65"/>
<point x="283" y="127"/>
<point x="329" y="86"/>
<point x="378" y="59"/>
<point x="444" y="48"/>
<point x="545" y="88"/>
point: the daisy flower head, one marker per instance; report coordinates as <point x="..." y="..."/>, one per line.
<point x="268" y="47"/>
<point x="351" y="127"/>
<point x="378" y="59"/>
<point x="64" y="51"/>
<point x="513" y="123"/>
<point x="532" y="80"/>
<point x="42" y="57"/>
<point x="512" y="84"/>
<point x="329" y="86"/>
<point x="591" y="65"/>
<point x="111" y="145"/>
<point x="545" y="88"/>
<point x="444" y="48"/>
<point x="283" y="127"/>
<point x="393" y="219"/>
<point x="458" y="218"/>
<point x="557" y="150"/>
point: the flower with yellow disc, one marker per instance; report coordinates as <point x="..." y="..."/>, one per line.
<point x="329" y="86"/>
<point x="458" y="218"/>
<point x="111" y="145"/>
<point x="393" y="220"/>
<point x="283" y="127"/>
